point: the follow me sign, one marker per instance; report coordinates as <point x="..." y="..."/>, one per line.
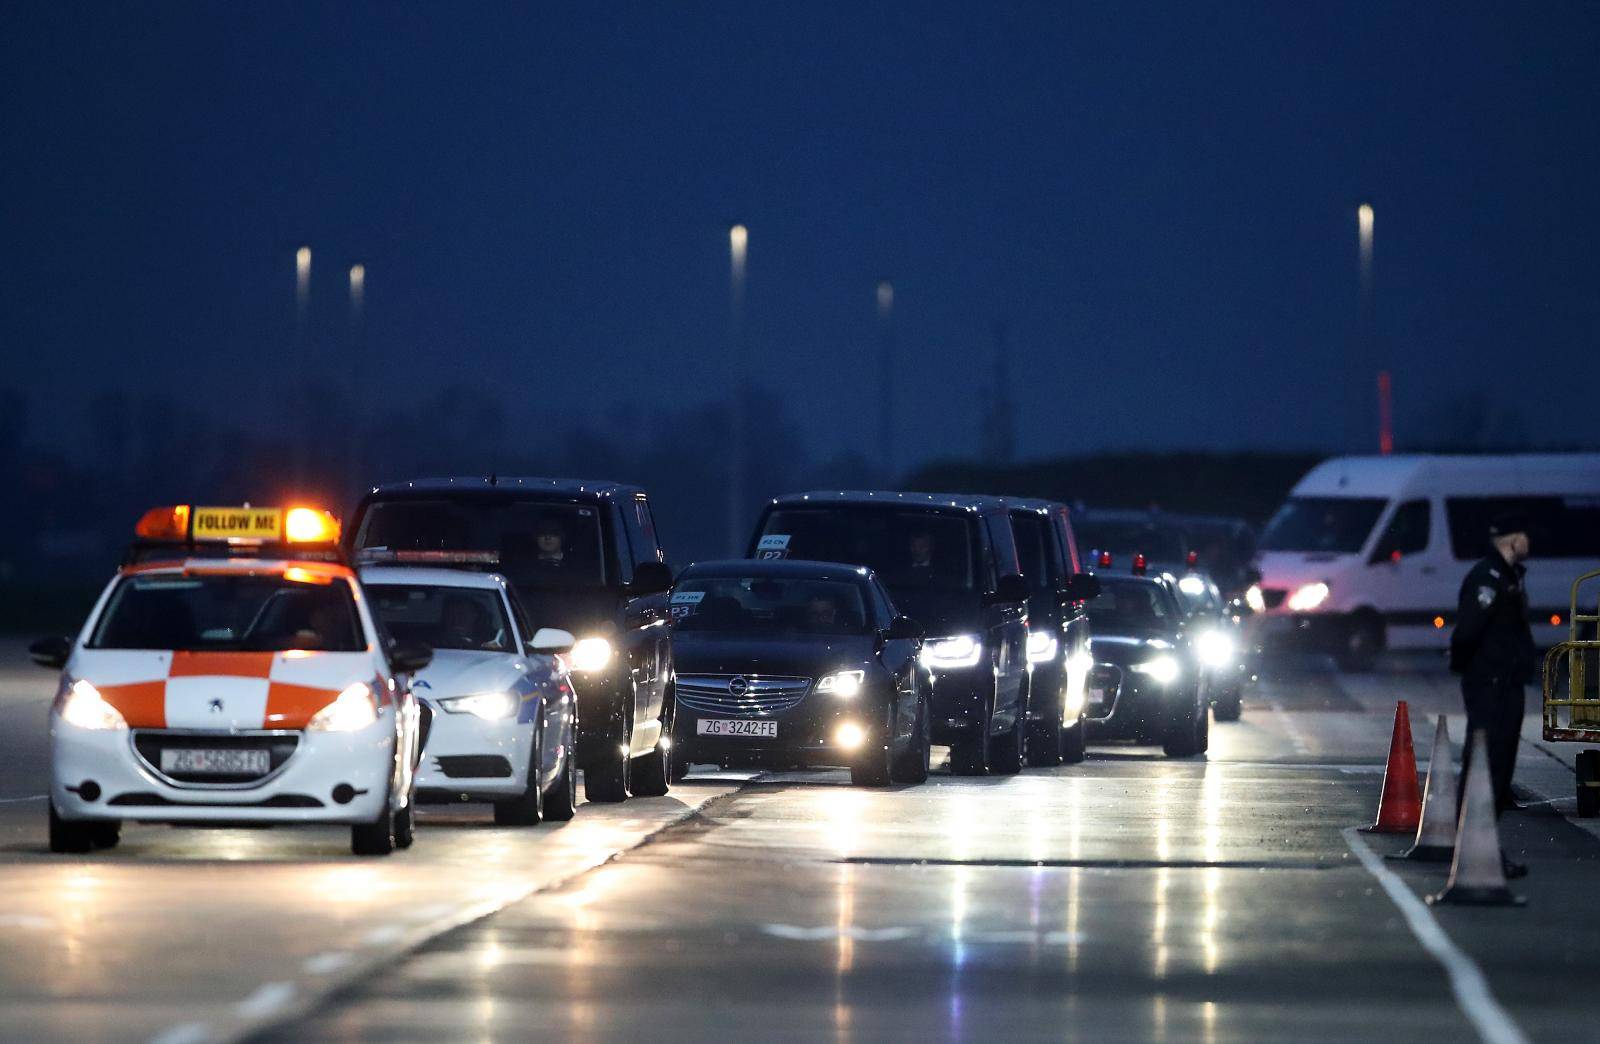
<point x="213" y="523"/>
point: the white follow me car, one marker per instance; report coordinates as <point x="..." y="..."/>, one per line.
<point x="503" y="713"/>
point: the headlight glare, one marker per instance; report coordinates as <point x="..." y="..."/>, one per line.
<point x="841" y="683"/>
<point x="1215" y="648"/>
<point x="351" y="711"/>
<point x="1163" y="669"/>
<point x="490" y="706"/>
<point x="961" y="650"/>
<point x="1254" y="599"/>
<point x="590" y="655"/>
<point x="1308" y="597"/>
<point x="1042" y="646"/>
<point x="84" y="707"/>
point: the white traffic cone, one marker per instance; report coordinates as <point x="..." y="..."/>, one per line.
<point x="1436" y="834"/>
<point x="1477" y="877"/>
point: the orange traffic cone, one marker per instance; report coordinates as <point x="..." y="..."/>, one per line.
<point x="1399" y="807"/>
<point x="1436" y="837"/>
<point x="1477" y="877"/>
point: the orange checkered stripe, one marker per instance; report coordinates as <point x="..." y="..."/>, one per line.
<point x="289" y="706"/>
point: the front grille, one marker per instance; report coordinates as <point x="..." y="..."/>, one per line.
<point x="1272" y="597"/>
<point x="762" y="693"/>
<point x="149" y="744"/>
<point x="1104" y="685"/>
<point x="474" y="766"/>
<point x="141" y="798"/>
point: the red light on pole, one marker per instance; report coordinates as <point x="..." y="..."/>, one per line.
<point x="1385" y="413"/>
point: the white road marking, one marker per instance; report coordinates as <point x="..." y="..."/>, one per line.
<point x="268" y="999"/>
<point x="183" y="1033"/>
<point x="1297" y="741"/>
<point x="323" y="963"/>
<point x="1467" y="982"/>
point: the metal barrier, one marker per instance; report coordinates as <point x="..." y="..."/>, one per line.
<point x="1571" y="690"/>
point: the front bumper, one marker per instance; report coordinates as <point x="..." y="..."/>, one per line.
<point x="301" y="790"/>
<point x="958" y="699"/>
<point x="468" y="758"/>
<point x="805" y="736"/>
<point x="1125" y="705"/>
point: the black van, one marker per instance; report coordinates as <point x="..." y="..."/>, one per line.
<point x="583" y="557"/>
<point x="950" y="563"/>
<point x="1058" y="630"/>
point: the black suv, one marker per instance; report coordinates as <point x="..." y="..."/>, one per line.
<point x="950" y="563"/>
<point x="1058" y="630"/>
<point x="583" y="557"/>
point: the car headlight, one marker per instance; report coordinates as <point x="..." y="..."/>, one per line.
<point x="841" y="683"/>
<point x="1192" y="585"/>
<point x="84" y="707"/>
<point x="1254" y="599"/>
<point x="1215" y="648"/>
<point x="961" y="650"/>
<point x="351" y="711"/>
<point x="1163" y="669"/>
<point x="590" y="655"/>
<point x="1308" y="597"/>
<point x="1042" y="646"/>
<point x="490" y="706"/>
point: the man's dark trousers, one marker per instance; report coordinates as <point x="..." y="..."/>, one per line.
<point x="1495" y="705"/>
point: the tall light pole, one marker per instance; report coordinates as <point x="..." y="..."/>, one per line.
<point x="886" y="377"/>
<point x="358" y="293"/>
<point x="302" y="305"/>
<point x="302" y="284"/>
<point x="738" y="251"/>
<point x="1367" y="354"/>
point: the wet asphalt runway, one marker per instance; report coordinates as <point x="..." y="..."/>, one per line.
<point x="1130" y="898"/>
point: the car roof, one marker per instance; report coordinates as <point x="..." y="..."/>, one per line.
<point x="1032" y="503"/>
<point x="891" y="498"/>
<point x="429" y="576"/>
<point x="799" y="569"/>
<point x="563" y="487"/>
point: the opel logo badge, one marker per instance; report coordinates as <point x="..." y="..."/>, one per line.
<point x="738" y="687"/>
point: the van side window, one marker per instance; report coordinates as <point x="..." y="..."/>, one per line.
<point x="1035" y="552"/>
<point x="1407" y="532"/>
<point x="1561" y="526"/>
<point x="649" y="545"/>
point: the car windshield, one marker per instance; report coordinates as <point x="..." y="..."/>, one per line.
<point x="443" y="617"/>
<point x="908" y="549"/>
<point x="201" y="613"/>
<point x="761" y="605"/>
<point x="1129" y="606"/>
<point x="1158" y="543"/>
<point x="1334" y="525"/>
<point x="1198" y="597"/>
<point x="536" y="543"/>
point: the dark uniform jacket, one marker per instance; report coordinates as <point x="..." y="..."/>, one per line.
<point x="1492" y="636"/>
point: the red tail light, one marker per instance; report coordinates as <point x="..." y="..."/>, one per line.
<point x="1138" y="565"/>
<point x="1105" y="560"/>
<point x="1192" y="559"/>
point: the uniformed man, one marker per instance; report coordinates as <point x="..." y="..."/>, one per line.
<point x="1492" y="649"/>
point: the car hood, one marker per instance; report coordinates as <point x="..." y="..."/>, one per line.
<point x="805" y="658"/>
<point x="219" y="691"/>
<point x="458" y="672"/>
<point x="581" y="610"/>
<point x="1125" y="649"/>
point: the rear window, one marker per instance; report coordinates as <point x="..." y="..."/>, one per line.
<point x="1332" y="525"/>
<point x="908" y="549"/>
<point x="539" y="544"/>
<point x="1559" y="526"/>
<point x="199" y="613"/>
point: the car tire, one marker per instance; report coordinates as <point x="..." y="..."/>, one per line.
<point x="527" y="808"/>
<point x="607" y="778"/>
<point x="561" y="800"/>
<point x="375" y="838"/>
<point x="913" y="764"/>
<point x="1074" y="743"/>
<point x="1184" y="738"/>
<point x="652" y="773"/>
<point x="405" y="826"/>
<point x="1363" y="642"/>
<point x="873" y="766"/>
<point x="1230" y="707"/>
<point x="969" y="754"/>
<point x="1005" y="752"/>
<point x="1045" y="737"/>
<point x="72" y="836"/>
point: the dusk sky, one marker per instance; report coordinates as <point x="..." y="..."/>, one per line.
<point x="1159" y="200"/>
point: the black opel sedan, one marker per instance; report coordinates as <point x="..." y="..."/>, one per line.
<point x="785" y="664"/>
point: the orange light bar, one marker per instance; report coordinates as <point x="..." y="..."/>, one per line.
<point x="164" y="523"/>
<point x="303" y="525"/>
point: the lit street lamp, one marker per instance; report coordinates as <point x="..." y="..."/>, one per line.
<point x="738" y="251"/>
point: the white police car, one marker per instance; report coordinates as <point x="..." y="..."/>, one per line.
<point x="503" y="717"/>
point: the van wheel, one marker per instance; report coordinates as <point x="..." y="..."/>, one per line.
<point x="607" y="777"/>
<point x="969" y="754"/>
<point x="1005" y="752"/>
<point x="1074" y="743"/>
<point x="1363" y="641"/>
<point x="912" y="765"/>
<point x="652" y="773"/>
<point x="1045" y="739"/>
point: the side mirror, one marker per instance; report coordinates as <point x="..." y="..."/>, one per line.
<point x="1081" y="587"/>
<point x="903" y="628"/>
<point x="1010" y="588"/>
<point x="549" y="640"/>
<point x="651" y="578"/>
<point x="51" y="652"/>
<point x="410" y="657"/>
